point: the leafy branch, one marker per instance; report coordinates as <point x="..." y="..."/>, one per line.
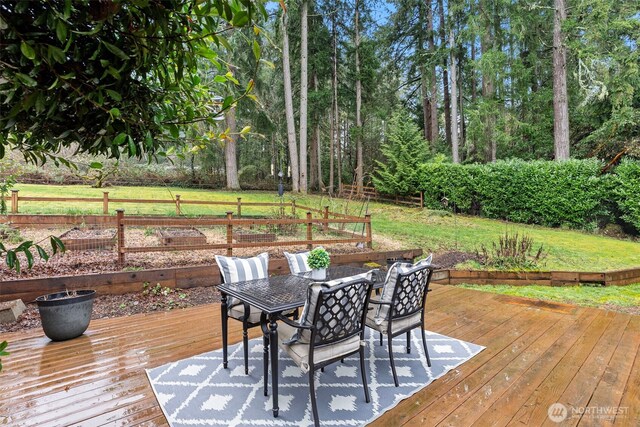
<point x="11" y="255"/>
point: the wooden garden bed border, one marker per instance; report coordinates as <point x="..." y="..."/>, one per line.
<point x="181" y="277"/>
<point x="188" y="277"/>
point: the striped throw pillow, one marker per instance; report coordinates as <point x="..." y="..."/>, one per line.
<point x="234" y="269"/>
<point x="298" y="262"/>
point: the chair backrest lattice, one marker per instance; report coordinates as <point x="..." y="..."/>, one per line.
<point x="410" y="292"/>
<point x="340" y="312"/>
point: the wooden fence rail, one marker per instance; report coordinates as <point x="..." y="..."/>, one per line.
<point x="178" y="202"/>
<point x="230" y="222"/>
<point x="350" y="191"/>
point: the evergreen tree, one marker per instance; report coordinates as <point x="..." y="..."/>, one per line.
<point x="404" y="152"/>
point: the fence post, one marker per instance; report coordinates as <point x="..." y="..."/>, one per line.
<point x="422" y="200"/>
<point x="14" y="201"/>
<point x="239" y="207"/>
<point x="229" y="234"/>
<point x="120" y="225"/>
<point x="178" y="212"/>
<point x="326" y="218"/>
<point x="309" y="234"/>
<point x="293" y="208"/>
<point x="105" y="202"/>
<point x="367" y="223"/>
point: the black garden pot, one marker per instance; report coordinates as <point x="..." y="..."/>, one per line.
<point x="66" y="315"/>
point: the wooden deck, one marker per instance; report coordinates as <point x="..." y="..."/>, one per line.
<point x="536" y="355"/>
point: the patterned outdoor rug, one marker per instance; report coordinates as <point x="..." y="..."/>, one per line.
<point x="198" y="391"/>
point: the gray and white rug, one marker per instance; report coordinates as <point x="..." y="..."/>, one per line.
<point x="198" y="392"/>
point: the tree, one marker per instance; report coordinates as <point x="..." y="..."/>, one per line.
<point x="230" y="150"/>
<point x="404" y="151"/>
<point x="288" y="102"/>
<point x="359" y="159"/>
<point x="454" y="93"/>
<point x="109" y="77"/>
<point x="560" y="102"/>
<point x="304" y="32"/>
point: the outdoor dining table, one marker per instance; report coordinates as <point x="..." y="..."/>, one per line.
<point x="275" y="295"/>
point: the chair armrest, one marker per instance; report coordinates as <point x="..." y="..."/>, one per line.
<point x="292" y="323"/>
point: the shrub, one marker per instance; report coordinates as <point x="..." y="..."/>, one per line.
<point x="572" y="193"/>
<point x="626" y="192"/>
<point x="512" y="252"/>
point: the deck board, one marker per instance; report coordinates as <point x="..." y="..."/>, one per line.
<point x="536" y="355"/>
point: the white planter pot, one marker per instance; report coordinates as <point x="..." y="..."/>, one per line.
<point x="319" y="273"/>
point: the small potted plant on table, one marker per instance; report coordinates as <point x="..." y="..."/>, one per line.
<point x="318" y="261"/>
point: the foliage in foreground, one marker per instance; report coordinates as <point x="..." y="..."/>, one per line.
<point x="113" y="76"/>
<point x="3" y="346"/>
<point x="13" y="260"/>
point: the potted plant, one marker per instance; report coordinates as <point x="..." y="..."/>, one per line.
<point x="66" y="315"/>
<point x="318" y="261"/>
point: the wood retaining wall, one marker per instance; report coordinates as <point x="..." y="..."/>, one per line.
<point x="545" y="278"/>
<point x="182" y="277"/>
<point x="189" y="277"/>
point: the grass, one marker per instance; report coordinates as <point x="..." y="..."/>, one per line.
<point x="433" y="231"/>
<point x="621" y="298"/>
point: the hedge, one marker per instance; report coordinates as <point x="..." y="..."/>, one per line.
<point x="572" y="193"/>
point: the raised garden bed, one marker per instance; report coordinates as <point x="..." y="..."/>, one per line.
<point x="253" y="236"/>
<point x="78" y="239"/>
<point x="181" y="236"/>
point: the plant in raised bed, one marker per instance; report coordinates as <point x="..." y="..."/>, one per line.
<point x="512" y="252"/>
<point x="318" y="261"/>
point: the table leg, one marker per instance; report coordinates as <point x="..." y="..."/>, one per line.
<point x="225" y="318"/>
<point x="265" y="357"/>
<point x="273" y="326"/>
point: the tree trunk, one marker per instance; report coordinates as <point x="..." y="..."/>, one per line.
<point x="488" y="89"/>
<point x="359" y="157"/>
<point x="454" y="96"/>
<point x="445" y="77"/>
<point x="303" y="95"/>
<point x="319" y="153"/>
<point x="288" y="105"/>
<point x="424" y="87"/>
<point x="334" y="110"/>
<point x="313" y="154"/>
<point x="339" y="153"/>
<point x="433" y="83"/>
<point x="560" y="102"/>
<point x="230" y="149"/>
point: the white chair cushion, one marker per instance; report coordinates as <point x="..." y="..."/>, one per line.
<point x="299" y="351"/>
<point x="382" y="312"/>
<point x="397" y="325"/>
<point x="237" y="312"/>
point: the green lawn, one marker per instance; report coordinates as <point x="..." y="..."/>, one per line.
<point x="621" y="298"/>
<point x="434" y="231"/>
